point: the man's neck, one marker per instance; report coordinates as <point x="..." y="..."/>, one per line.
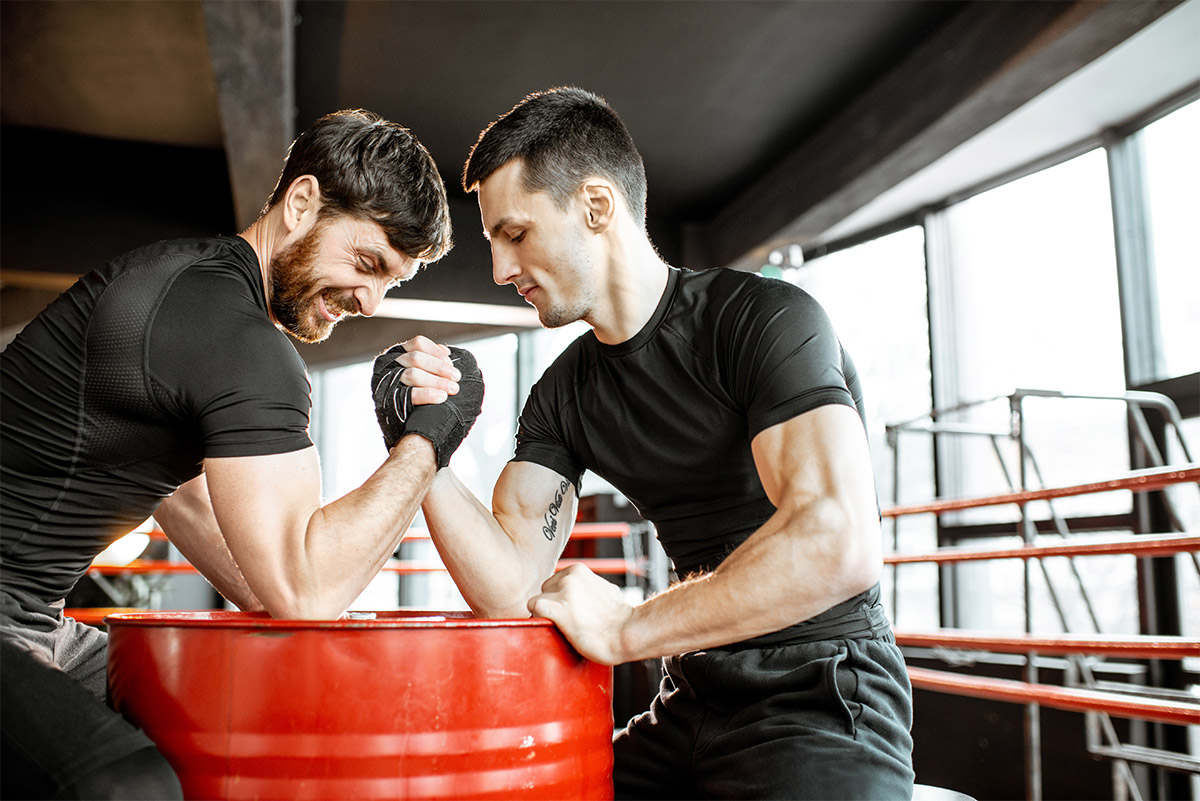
<point x="637" y="278"/>
<point x="263" y="237"/>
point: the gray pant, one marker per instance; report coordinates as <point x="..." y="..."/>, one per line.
<point x="76" y="649"/>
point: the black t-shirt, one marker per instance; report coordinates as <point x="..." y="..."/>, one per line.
<point x="113" y="396"/>
<point x="667" y="417"/>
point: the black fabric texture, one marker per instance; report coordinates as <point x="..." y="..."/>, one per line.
<point x="819" y="721"/>
<point x="113" y="396"/>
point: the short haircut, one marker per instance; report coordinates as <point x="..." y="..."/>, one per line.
<point x="564" y="136"/>
<point x="373" y="169"/>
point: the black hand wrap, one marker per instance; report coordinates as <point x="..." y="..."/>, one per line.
<point x="393" y="399"/>
<point x="444" y="424"/>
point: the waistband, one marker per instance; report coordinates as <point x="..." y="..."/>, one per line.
<point x="858" y="618"/>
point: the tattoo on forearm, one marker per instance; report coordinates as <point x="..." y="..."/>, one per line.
<point x="550" y="520"/>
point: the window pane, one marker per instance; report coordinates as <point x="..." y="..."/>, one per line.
<point x="1173" y="183"/>
<point x="1035" y="306"/>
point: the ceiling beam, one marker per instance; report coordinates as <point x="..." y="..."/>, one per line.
<point x="985" y="63"/>
<point x="252" y="46"/>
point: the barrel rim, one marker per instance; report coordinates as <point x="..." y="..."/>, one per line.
<point x="389" y="619"/>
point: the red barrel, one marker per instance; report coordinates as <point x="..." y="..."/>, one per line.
<point x="406" y="705"/>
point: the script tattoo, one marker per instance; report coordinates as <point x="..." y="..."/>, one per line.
<point x="550" y="521"/>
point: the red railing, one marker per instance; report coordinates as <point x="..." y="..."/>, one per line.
<point x="1172" y="707"/>
<point x="1074" y="699"/>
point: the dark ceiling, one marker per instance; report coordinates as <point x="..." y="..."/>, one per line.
<point x="759" y="121"/>
<point x="713" y="92"/>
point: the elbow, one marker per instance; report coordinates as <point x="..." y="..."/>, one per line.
<point x="304" y="611"/>
<point x="503" y="598"/>
<point x="290" y="604"/>
<point x="501" y="612"/>
<point x="511" y="603"/>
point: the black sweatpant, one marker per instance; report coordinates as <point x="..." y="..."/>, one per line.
<point x="812" y="720"/>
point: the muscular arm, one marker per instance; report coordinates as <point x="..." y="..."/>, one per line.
<point x="499" y="558"/>
<point x="302" y="559"/>
<point x="305" y="560"/>
<point x="189" y="522"/>
<point x="821" y="547"/>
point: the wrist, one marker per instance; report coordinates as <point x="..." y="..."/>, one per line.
<point x="415" y="446"/>
<point x="629" y="640"/>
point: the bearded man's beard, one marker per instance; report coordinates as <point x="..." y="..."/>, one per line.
<point x="293" y="281"/>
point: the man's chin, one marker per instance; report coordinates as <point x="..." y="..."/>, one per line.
<point x="310" y="334"/>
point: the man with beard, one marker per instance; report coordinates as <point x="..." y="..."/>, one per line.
<point x="163" y="383"/>
<point x="722" y="404"/>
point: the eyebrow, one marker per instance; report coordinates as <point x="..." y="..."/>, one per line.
<point x="381" y="261"/>
<point x="495" y="229"/>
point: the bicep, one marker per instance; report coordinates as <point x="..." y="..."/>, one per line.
<point x="263" y="505"/>
<point x="536" y="507"/>
<point x="818" y="455"/>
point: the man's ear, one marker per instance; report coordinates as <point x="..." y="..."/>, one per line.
<point x="302" y="199"/>
<point x="600" y="204"/>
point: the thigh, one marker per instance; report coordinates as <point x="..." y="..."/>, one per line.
<point x="53" y="730"/>
<point x="804" y="722"/>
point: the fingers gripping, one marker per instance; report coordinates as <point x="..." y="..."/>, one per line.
<point x="393" y="398"/>
<point x="445" y="424"/>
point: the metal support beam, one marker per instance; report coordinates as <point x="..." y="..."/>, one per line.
<point x="1144" y="362"/>
<point x="251" y="44"/>
<point x="984" y="64"/>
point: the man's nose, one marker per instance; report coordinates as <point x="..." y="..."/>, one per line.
<point x="504" y="268"/>
<point x="367" y="298"/>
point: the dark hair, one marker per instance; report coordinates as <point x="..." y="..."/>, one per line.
<point x="373" y="169"/>
<point x="564" y="136"/>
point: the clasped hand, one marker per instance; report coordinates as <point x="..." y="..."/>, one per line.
<point x="421" y="387"/>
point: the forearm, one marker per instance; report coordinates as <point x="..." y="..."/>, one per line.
<point x="495" y="577"/>
<point x="347" y="541"/>
<point x="187" y="519"/>
<point x="796" y="566"/>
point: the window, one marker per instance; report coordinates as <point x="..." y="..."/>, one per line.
<point x="1172" y="164"/>
<point x="1034" y="305"/>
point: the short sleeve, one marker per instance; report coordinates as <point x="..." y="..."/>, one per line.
<point x="226" y="367"/>
<point x="540" y="430"/>
<point x="782" y="357"/>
